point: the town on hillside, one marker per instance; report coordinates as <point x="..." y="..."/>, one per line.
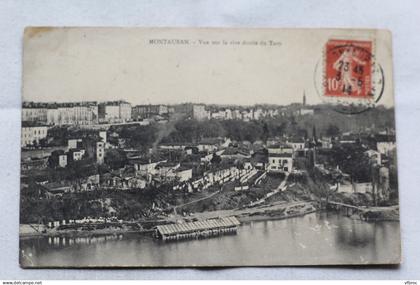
<point x="86" y="164"/>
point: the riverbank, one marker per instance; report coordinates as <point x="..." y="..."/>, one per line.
<point x="274" y="211"/>
<point x="76" y="233"/>
<point x="379" y="214"/>
<point x="317" y="238"/>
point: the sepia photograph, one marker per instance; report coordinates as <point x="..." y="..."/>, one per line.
<point x="207" y="147"/>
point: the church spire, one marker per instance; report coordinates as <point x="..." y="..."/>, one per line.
<point x="304" y="98"/>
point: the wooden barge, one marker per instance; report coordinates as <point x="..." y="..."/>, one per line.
<point x="198" y="229"/>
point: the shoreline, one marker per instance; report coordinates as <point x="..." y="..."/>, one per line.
<point x="242" y="217"/>
<point x="92" y="233"/>
<point x="275" y="211"/>
<point x="262" y="217"/>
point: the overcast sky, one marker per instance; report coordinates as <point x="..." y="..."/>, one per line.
<point x="67" y="65"/>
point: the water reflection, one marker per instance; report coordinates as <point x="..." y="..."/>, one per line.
<point x="318" y="238"/>
<point x="66" y="241"/>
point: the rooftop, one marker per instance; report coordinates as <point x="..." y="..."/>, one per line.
<point x="280" y="155"/>
<point x="296" y="140"/>
<point x="198" y="225"/>
<point x="167" y="164"/>
<point x="28" y="124"/>
<point x="235" y="151"/>
<point x="280" y="145"/>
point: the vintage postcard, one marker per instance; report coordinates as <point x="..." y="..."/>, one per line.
<point x="182" y="147"/>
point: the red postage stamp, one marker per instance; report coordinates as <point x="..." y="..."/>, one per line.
<point x="348" y="69"/>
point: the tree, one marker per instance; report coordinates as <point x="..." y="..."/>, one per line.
<point x="266" y="132"/>
<point x="216" y="159"/>
<point x="332" y="130"/>
<point x="115" y="159"/>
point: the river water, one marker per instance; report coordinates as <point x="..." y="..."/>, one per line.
<point x="317" y="238"/>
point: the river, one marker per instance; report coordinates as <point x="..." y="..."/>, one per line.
<point x="317" y="238"/>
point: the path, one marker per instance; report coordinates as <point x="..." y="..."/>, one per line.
<point x="282" y="187"/>
<point x="200" y="199"/>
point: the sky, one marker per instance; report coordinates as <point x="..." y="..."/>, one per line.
<point x="211" y="66"/>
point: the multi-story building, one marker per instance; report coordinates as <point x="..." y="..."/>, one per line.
<point x="236" y="115"/>
<point x="280" y="162"/>
<point x="219" y="115"/>
<point x="273" y="112"/>
<point x="80" y="113"/>
<point x="247" y="115"/>
<point x="34" y="112"/>
<point x="100" y="152"/>
<point x="103" y="136"/>
<point x="306" y="111"/>
<point x="228" y="114"/>
<point x="199" y="112"/>
<point x="385" y="144"/>
<point x="125" y="111"/>
<point x="280" y="148"/>
<point x="280" y="158"/>
<point x="147" y="111"/>
<point x="114" y="112"/>
<point x="74" y="143"/>
<point x="258" y="114"/>
<point x="32" y="134"/>
<point x="75" y="154"/>
<point x="297" y="143"/>
<point x="58" y="158"/>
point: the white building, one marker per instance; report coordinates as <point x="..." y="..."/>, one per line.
<point x="103" y="136"/>
<point x="365" y="187"/>
<point x="280" y="162"/>
<point x="374" y="156"/>
<point x="247" y="115"/>
<point x="62" y="160"/>
<point x="183" y="174"/>
<point x="385" y="147"/>
<point x="326" y="142"/>
<point x="34" y="113"/>
<point x="306" y="112"/>
<point x="228" y="114"/>
<point x="297" y="144"/>
<point x="114" y="112"/>
<point x="125" y="111"/>
<point x="83" y="113"/>
<point x="146" y="167"/>
<point x="74" y="143"/>
<point x="347" y="187"/>
<point x="219" y="115"/>
<point x="258" y="114"/>
<point x="32" y="134"/>
<point x="199" y="112"/>
<point x="236" y="115"/>
<point x="279" y="148"/>
<point x="100" y="152"/>
<point x="280" y="157"/>
<point x="76" y="154"/>
<point x="74" y="113"/>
